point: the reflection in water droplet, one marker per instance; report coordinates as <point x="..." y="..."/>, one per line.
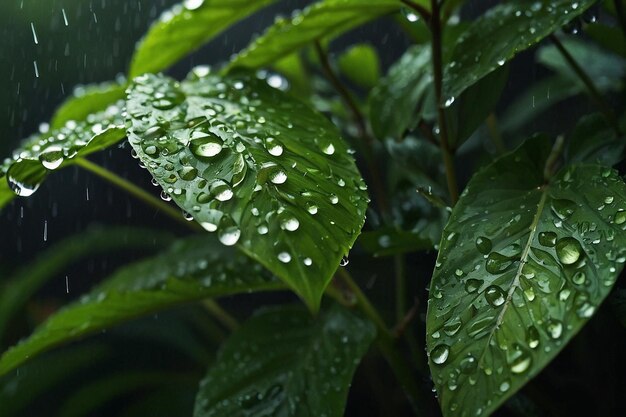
<point x="472" y="285"/>
<point x="494" y="296"/>
<point x="290" y="224"/>
<point x="284" y="257"/>
<point x="547" y="239"/>
<point x="52" y="157"/>
<point x="440" y="353"/>
<point x="532" y="337"/>
<point x="579" y="278"/>
<point x="308" y="261"/>
<point x="568" y="250"/>
<point x="452" y="326"/>
<point x="483" y="245"/>
<point x="554" y="328"/>
<point x="497" y="263"/>
<point x="519" y="359"/>
<point x="205" y="144"/>
<point x="229" y="235"/>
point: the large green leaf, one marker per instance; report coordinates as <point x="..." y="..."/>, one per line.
<point x="361" y="65"/>
<point x="523" y="264"/>
<point x="283" y="362"/>
<point x="54" y="149"/>
<point x="500" y="34"/>
<point x="192" y="269"/>
<point x="17" y="289"/>
<point x="260" y="168"/>
<point x="86" y="100"/>
<point x="594" y="140"/>
<point x="320" y="21"/>
<point x="184" y="28"/>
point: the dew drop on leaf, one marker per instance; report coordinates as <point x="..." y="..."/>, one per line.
<point x="440" y="353"/>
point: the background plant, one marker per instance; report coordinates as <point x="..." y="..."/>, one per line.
<point x="259" y="153"/>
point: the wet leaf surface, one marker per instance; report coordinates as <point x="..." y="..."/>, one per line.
<point x="184" y="28"/>
<point x="523" y="265"/>
<point x="190" y="270"/>
<point x="256" y="166"/>
<point x="500" y="34"/>
<point x="283" y="362"/>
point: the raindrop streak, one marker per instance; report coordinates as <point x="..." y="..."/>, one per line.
<point x="67" y="285"/>
<point x="65" y="17"/>
<point x="45" y="230"/>
<point x="32" y="27"/>
<point x="36" y="69"/>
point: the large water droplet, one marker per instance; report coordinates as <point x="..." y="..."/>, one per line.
<point x="221" y="190"/>
<point x="497" y="263"/>
<point x="568" y="250"/>
<point x="284" y="257"/>
<point x="52" y="157"/>
<point x="205" y="144"/>
<point x="229" y="236"/>
<point x="494" y="296"/>
<point x="452" y="326"/>
<point x="532" y="337"/>
<point x="483" y="245"/>
<point x="563" y="208"/>
<point x="519" y="359"/>
<point x="547" y="239"/>
<point x="290" y="224"/>
<point x="440" y="353"/>
<point x="554" y="328"/>
<point x="472" y="285"/>
<point x="468" y="365"/>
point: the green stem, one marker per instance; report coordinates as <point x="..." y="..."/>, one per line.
<point x="446" y="151"/>
<point x="386" y="345"/>
<point x="621" y="15"/>
<point x="593" y="91"/>
<point x="133" y="190"/>
<point x="400" y="287"/>
<point x="221" y="315"/>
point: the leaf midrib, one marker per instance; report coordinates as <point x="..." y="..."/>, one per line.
<point x="523" y="258"/>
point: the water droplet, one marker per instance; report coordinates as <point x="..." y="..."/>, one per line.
<point x="221" y="190"/>
<point x="568" y="250"/>
<point x="452" y="326"/>
<point x="328" y="149"/>
<point x="440" y="353"/>
<point x="547" y="239"/>
<point x="311" y="208"/>
<point x="205" y="144"/>
<point x="344" y="261"/>
<point x="307" y="261"/>
<point x="519" y="360"/>
<point x="483" y="245"/>
<point x="497" y="263"/>
<point x="229" y="235"/>
<point x="52" y="157"/>
<point x="563" y="208"/>
<point x="620" y="217"/>
<point x="278" y="177"/>
<point x="554" y="328"/>
<point x="468" y="365"/>
<point x="579" y="278"/>
<point x="290" y="224"/>
<point x="262" y="229"/>
<point x="188" y="173"/>
<point x="505" y="386"/>
<point x="284" y="257"/>
<point x="472" y="285"/>
<point x="449" y="102"/>
<point x="334" y="199"/>
<point x="494" y="296"/>
<point x="532" y="337"/>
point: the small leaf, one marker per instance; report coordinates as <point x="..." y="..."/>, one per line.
<point x="260" y="168"/>
<point x="594" y="140"/>
<point x="21" y="286"/>
<point x="191" y="270"/>
<point x="360" y="64"/>
<point x="283" y="360"/>
<point x="321" y="21"/>
<point x="87" y="100"/>
<point x="524" y="263"/>
<point x="45" y="152"/>
<point x="394" y="102"/>
<point x="500" y="34"/>
<point x="184" y="28"/>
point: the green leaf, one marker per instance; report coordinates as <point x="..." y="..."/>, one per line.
<point x="283" y="362"/>
<point x="55" y="149"/>
<point x="594" y="140"/>
<point x="324" y="20"/>
<point x="184" y="28"/>
<point x="609" y="37"/>
<point x="391" y="241"/>
<point x="360" y="64"/>
<point x="604" y="68"/>
<point x="191" y="270"/>
<point x="500" y="34"/>
<point x="394" y="102"/>
<point x="18" y="289"/>
<point x="523" y="264"/>
<point x="87" y="100"/>
<point x="255" y="165"/>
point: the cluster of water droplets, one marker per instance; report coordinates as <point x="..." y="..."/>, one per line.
<point x="49" y="149"/>
<point x="240" y="165"/>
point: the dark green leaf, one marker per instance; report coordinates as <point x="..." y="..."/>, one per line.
<point x="605" y="69"/>
<point x="523" y="264"/>
<point x="258" y="167"/>
<point x="500" y="34"/>
<point x="87" y="100"/>
<point x="45" y="152"/>
<point x="609" y="37"/>
<point x="20" y="287"/>
<point x="394" y="102"/>
<point x="184" y="28"/>
<point x="192" y="269"/>
<point x="594" y="140"/>
<point x="320" y="21"/>
<point x="360" y="64"/>
<point x="283" y="362"/>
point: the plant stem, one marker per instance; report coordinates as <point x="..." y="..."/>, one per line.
<point x="221" y="315"/>
<point x="593" y="91"/>
<point x="446" y="151"/>
<point x="359" y="119"/>
<point x="621" y="15"/>
<point x="551" y="163"/>
<point x="494" y="133"/>
<point x="135" y="191"/>
<point x="400" y="287"/>
<point x="421" y="10"/>
<point x="386" y="345"/>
